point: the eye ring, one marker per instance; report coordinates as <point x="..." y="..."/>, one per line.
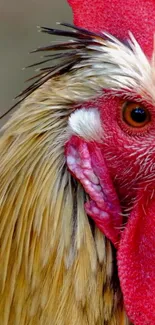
<point x="135" y="115"/>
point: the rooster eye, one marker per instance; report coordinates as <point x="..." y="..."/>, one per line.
<point x="135" y="114"/>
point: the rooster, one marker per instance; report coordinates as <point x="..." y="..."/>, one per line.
<point x="77" y="193"/>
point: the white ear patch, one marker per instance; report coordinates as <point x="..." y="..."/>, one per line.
<point x="86" y="123"/>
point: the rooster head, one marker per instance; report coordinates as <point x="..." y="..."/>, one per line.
<point x="98" y="104"/>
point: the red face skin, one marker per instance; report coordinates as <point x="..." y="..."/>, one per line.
<point x="124" y="163"/>
<point x="129" y="151"/>
<point x="130" y="157"/>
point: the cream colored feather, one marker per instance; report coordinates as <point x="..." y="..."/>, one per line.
<point x="55" y="268"/>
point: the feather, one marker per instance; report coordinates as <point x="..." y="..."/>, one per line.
<point x="50" y="255"/>
<point x="98" y="62"/>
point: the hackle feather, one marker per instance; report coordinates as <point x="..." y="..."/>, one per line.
<point x="56" y="268"/>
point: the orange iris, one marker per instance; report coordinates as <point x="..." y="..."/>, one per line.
<point x="136" y="115"/>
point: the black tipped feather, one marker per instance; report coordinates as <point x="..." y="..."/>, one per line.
<point x="82" y="31"/>
<point x="75" y="51"/>
<point x="60" y="47"/>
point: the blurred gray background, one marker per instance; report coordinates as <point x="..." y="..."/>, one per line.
<point x="18" y="35"/>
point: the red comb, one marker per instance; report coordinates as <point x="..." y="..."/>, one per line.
<point x="118" y="17"/>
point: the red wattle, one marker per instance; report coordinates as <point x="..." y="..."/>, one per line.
<point x="136" y="264"/>
<point x="118" y="17"/>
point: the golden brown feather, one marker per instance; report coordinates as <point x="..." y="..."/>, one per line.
<point x="56" y="268"/>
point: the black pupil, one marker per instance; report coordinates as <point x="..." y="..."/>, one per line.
<point x="138" y="115"/>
